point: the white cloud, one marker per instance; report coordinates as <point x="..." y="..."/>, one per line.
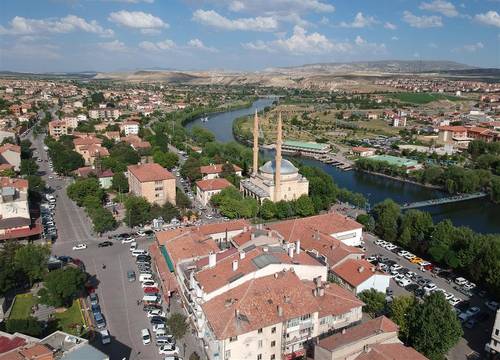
<point x="440" y="6"/>
<point x="214" y="19"/>
<point x="277" y="7"/>
<point x="158" y="46"/>
<point x="472" y="48"/>
<point x="490" y="18"/>
<point x="24" y="26"/>
<point x="114" y="46"/>
<point x="364" y="45"/>
<point x="150" y="31"/>
<point x="258" y="45"/>
<point x="390" y="26"/>
<point x="360" y="21"/>
<point x="422" y="22"/>
<point x="137" y="20"/>
<point x="394" y="38"/>
<point x="198" y="44"/>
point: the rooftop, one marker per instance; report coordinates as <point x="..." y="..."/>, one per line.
<point x="213" y="184"/>
<point x="150" y="172"/>
<point x="394" y="160"/>
<point x="390" y="352"/>
<point x="305" y="145"/>
<point x="355" y="271"/>
<point x="286" y="167"/>
<point x="215" y="168"/>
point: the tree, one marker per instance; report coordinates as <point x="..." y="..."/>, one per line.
<point x="191" y="169"/>
<point x="267" y="209"/>
<point x="26" y="152"/>
<point x="119" y="182"/>
<point x="181" y="199"/>
<point x="32" y="260"/>
<point x="399" y="311"/>
<point x="28" y="167"/>
<point x="124" y="153"/>
<point x="102" y="219"/>
<point x="9" y="275"/>
<point x="36" y="185"/>
<point x="304" y="206"/>
<point x="202" y="135"/>
<point x="194" y="356"/>
<point x="374" y="301"/>
<point x="82" y="188"/>
<point x="62" y="286"/>
<point x="177" y="325"/>
<point x="433" y="327"/>
<point x="386" y="216"/>
<point x="137" y="211"/>
<point x="367" y="221"/>
<point x="166" y="159"/>
<point x="29" y="326"/>
<point x="167" y="212"/>
<point x="97" y="97"/>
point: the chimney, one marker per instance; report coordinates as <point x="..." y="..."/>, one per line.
<point x="280" y="311"/>
<point x="361" y="269"/>
<point x="242" y="255"/>
<point x="236" y="313"/>
<point x="277" y="162"/>
<point x="290" y="252"/>
<point x="321" y="291"/>
<point x="297" y="247"/>
<point x="343" y="331"/>
<point x="235" y="265"/>
<point x="212" y="259"/>
<point x="317" y="281"/>
<point x="265" y="249"/>
<point x="255" y="144"/>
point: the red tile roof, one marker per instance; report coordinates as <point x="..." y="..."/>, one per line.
<point x="355" y="271"/>
<point x="213" y="184"/>
<point x="11" y="147"/>
<point x="150" y="172"/>
<point x="87" y="141"/>
<point x="390" y="352"/>
<point x="216" y="169"/>
<point x="254" y="304"/>
<point x="9" y="343"/>
<point x="359" y="332"/>
<point x="453" y="128"/>
<point x="13" y="182"/>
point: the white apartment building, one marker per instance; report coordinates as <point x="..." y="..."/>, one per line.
<point x="130" y="127"/>
<point x="493" y="346"/>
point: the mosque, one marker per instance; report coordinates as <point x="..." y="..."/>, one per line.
<point x="277" y="179"/>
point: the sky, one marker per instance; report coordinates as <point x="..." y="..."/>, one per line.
<point x="119" y="35"/>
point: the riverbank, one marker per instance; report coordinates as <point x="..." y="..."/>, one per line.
<point x="428" y="186"/>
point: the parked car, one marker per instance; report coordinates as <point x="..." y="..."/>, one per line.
<point x="80" y="247"/>
<point x="156" y="312"/>
<point x="146" y="336"/>
<point x="94" y="300"/>
<point x="492" y="305"/>
<point x="99" y="321"/>
<point x="168" y="350"/>
<point x="151" y="290"/>
<point x="105" y="244"/>
<point x="131" y="275"/>
<point x="149" y="307"/>
<point x="157" y="320"/>
<point x="105" y="338"/>
<point x="470" y="313"/>
<point x="149" y="284"/>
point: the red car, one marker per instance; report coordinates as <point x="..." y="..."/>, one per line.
<point x="151" y="290"/>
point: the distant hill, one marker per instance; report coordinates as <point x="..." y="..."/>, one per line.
<point x="383" y="66"/>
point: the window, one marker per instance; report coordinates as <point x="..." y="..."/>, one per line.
<point x="259" y="331"/>
<point x="233" y="338"/>
<point x="496" y="331"/>
<point x="273" y="357"/>
<point x="259" y="357"/>
<point x="259" y="344"/>
<point x="227" y="354"/>
<point x="273" y="330"/>
<point x="273" y="343"/>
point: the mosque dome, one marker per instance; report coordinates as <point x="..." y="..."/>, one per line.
<point x="286" y="167"/>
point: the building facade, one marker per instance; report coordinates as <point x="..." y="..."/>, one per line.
<point x="152" y="182"/>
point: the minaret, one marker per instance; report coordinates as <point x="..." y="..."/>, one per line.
<point x="277" y="170"/>
<point x="255" y="144"/>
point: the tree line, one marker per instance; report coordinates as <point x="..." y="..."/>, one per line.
<point x="471" y="254"/>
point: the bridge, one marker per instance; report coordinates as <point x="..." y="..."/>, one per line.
<point x="445" y="200"/>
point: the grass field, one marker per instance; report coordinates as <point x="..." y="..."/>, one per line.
<point x="422" y="98"/>
<point x="22" y="306"/>
<point x="68" y="320"/>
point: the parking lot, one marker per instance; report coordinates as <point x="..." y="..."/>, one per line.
<point x="474" y="337"/>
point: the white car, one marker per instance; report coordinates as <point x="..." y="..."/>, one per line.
<point x="149" y="283"/>
<point x="391" y="247"/>
<point x="157" y="327"/>
<point x="127" y="240"/>
<point x="430" y="287"/>
<point x="140" y="233"/>
<point x="156" y="312"/>
<point x="146" y="336"/>
<point x="168" y="350"/>
<point x="454" y="301"/>
<point x="80" y="247"/>
<point x="470" y="285"/>
<point x="399" y="278"/>
<point x="396" y="267"/>
<point x="403" y="253"/>
<point x="409" y="256"/>
<point x="404" y="282"/>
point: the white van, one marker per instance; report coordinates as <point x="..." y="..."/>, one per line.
<point x="138" y="252"/>
<point x="145" y="277"/>
<point x="105" y="338"/>
<point x="152" y="299"/>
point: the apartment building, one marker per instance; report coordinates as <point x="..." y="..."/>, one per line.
<point x="493" y="347"/>
<point x="58" y="128"/>
<point x="205" y="189"/>
<point x="213" y="171"/>
<point x="104" y="113"/>
<point x="129" y="127"/>
<point x="152" y="182"/>
<point x="90" y="149"/>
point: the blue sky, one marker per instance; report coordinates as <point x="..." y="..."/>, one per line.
<point x="112" y="35"/>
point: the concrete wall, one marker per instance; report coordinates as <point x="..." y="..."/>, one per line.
<point x="378" y="282"/>
<point x="351" y="237"/>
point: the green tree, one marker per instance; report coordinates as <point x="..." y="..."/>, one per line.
<point x="202" y="135"/>
<point x="29" y="326"/>
<point x="119" y="182"/>
<point x="124" y="153"/>
<point x="82" y="188"/>
<point x="386" y="216"/>
<point x="433" y="327"/>
<point x="62" y="286"/>
<point x="181" y="199"/>
<point x="267" y="209"/>
<point x="36" y="185"/>
<point x="304" y="206"/>
<point x="374" y="301"/>
<point x="177" y="325"/>
<point x="26" y="152"/>
<point x="32" y="260"/>
<point x="28" y="167"/>
<point x="399" y="312"/>
<point x="97" y="98"/>
<point x="102" y="219"/>
<point x="191" y="169"/>
<point x="137" y="211"/>
<point x="9" y="275"/>
<point x="166" y="159"/>
<point x="167" y="211"/>
<point x="367" y="221"/>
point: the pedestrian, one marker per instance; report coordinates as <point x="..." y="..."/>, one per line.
<point x="103" y="266"/>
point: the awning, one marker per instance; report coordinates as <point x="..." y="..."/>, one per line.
<point x="169" y="261"/>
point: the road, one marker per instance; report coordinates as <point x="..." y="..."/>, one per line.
<point x="474" y="339"/>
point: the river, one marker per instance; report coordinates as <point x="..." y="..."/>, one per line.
<point x="480" y="215"/>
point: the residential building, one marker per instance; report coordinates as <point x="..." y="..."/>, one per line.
<point x="16" y="221"/>
<point x="351" y="342"/>
<point x="214" y="171"/>
<point x="205" y="189"/>
<point x="129" y="127"/>
<point x="493" y="347"/>
<point x="357" y="275"/>
<point x="11" y="154"/>
<point x="90" y="149"/>
<point x="389" y="351"/>
<point x="152" y="182"/>
<point x="104" y="113"/>
<point x="362" y="151"/>
<point x="58" y="128"/>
